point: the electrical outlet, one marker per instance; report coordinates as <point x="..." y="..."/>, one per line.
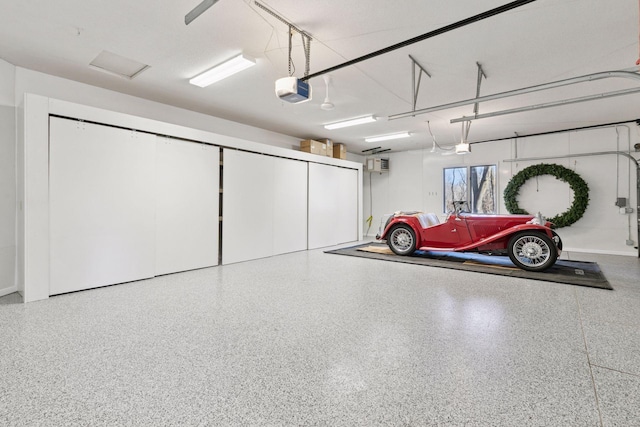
<point x="630" y="242"/>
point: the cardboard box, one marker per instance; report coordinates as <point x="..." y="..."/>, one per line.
<point x="329" y="143"/>
<point x="313" y="147"/>
<point x="340" y="151"/>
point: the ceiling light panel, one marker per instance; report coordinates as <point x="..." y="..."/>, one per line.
<point x="388" y="137"/>
<point x="224" y="70"/>
<point x="118" y="65"/>
<point x="351" y="122"/>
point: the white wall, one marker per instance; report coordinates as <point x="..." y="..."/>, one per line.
<point x="29" y="81"/>
<point x="7" y="179"/>
<point x="415" y="183"/>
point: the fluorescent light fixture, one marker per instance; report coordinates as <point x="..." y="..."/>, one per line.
<point x="463" y="148"/>
<point x="224" y="70"/>
<point x="388" y="137"/>
<point x="351" y="122"/>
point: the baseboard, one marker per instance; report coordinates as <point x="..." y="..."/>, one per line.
<point x="7" y="291"/>
<point x="600" y="252"/>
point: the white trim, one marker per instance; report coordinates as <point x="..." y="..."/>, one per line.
<point x="600" y="252"/>
<point x="98" y="115"/>
<point x="9" y="290"/>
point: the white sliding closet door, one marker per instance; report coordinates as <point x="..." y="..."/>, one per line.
<point x="102" y="207"/>
<point x="333" y="205"/>
<point x="187" y="194"/>
<point x="247" y="214"/>
<point x="264" y="206"/>
<point x="289" y="206"/>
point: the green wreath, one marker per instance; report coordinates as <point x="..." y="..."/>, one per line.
<point x="577" y="184"/>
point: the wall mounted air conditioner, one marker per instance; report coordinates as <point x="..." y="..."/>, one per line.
<point x="377" y="165"/>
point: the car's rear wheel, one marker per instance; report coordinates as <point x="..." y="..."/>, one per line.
<point x="532" y="251"/>
<point x="402" y="240"/>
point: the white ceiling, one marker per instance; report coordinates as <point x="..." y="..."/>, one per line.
<point x="543" y="41"/>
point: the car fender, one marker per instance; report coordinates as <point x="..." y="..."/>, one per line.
<point x="408" y="220"/>
<point x="505" y="233"/>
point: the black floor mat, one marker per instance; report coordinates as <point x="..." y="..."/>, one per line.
<point x="580" y="273"/>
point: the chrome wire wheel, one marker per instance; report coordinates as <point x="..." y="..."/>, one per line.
<point x="532" y="251"/>
<point x="402" y="240"/>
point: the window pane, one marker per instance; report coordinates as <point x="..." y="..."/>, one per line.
<point x="483" y="189"/>
<point x="455" y="187"/>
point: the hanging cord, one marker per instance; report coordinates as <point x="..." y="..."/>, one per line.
<point x="638" y="61"/>
<point x="435" y="143"/>
<point x="369" y="220"/>
<point x="306" y="43"/>
<point x="306" y="40"/>
<point x="628" y="171"/>
<point x="306" y="46"/>
<point x="617" y="163"/>
<point x="292" y="67"/>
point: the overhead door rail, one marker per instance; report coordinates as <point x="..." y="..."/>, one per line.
<point x="479" y="17"/>
<point x="627" y="73"/>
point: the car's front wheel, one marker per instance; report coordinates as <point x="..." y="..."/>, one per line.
<point x="532" y="251"/>
<point x="402" y="240"/>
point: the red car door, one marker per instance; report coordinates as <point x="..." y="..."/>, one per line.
<point x="449" y="234"/>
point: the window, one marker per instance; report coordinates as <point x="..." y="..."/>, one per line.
<point x="475" y="185"/>
<point x="455" y="187"/>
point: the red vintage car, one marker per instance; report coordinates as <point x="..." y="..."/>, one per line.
<point x="528" y="240"/>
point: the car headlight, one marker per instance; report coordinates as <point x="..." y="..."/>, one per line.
<point x="538" y="219"/>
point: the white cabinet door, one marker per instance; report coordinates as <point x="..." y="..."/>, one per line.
<point x="247" y="213"/>
<point x="289" y="206"/>
<point x="264" y="206"/>
<point x="333" y="205"/>
<point x="102" y="207"/>
<point x="187" y="194"/>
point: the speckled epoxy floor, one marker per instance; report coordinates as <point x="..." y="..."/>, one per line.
<point x="318" y="339"/>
